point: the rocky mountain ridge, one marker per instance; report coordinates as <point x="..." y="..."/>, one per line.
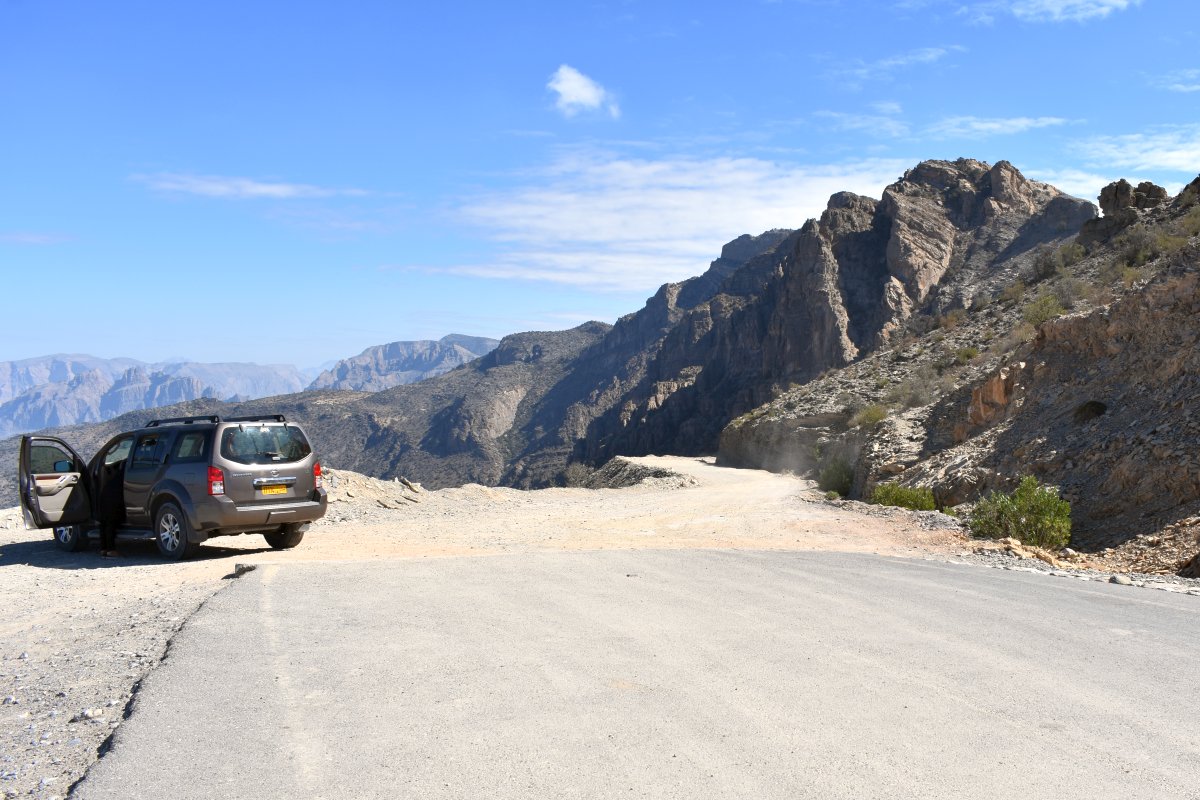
<point x="61" y="390"/>
<point x="396" y="363"/>
<point x="74" y="389"/>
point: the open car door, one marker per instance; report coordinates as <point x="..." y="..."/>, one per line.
<point x="54" y="483"/>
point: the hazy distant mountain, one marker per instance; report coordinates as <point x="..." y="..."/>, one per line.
<point x="387" y="365"/>
<point x="71" y="389"/>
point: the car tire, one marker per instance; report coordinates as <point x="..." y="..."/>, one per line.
<point x="287" y="537"/>
<point x="171" y="533"/>
<point x="70" y="538"/>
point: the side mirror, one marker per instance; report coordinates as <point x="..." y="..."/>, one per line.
<point x="63" y="466"/>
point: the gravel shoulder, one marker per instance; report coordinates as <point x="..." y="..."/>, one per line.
<point x="79" y="633"/>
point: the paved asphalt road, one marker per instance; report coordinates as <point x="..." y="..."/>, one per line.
<point x="683" y="674"/>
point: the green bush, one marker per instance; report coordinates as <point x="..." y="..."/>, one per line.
<point x="1190" y="224"/>
<point x="1013" y="292"/>
<point x="966" y="354"/>
<point x="868" y="417"/>
<point x="1042" y="308"/>
<point x="918" y="498"/>
<point x="1034" y="514"/>
<point x="1071" y="254"/>
<point x="836" y="476"/>
<point x="1137" y="246"/>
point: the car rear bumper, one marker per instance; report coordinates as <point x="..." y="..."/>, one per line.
<point x="223" y="515"/>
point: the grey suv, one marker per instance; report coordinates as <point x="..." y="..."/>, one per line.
<point x="179" y="481"/>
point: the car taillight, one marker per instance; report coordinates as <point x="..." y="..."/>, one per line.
<point x="317" y="482"/>
<point x="216" y="481"/>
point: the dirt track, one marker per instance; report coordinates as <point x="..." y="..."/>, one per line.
<point x="79" y="632"/>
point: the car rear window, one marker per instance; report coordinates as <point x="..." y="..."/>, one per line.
<point x="264" y="444"/>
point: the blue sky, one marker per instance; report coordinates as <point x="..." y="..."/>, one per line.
<point x="191" y="180"/>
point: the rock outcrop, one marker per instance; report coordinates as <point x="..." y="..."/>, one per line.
<point x="1121" y="203"/>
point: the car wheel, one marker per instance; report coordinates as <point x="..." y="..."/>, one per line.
<point x="287" y="537"/>
<point x="70" y="538"/>
<point x="171" y="533"/>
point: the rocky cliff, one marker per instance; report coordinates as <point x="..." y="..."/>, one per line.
<point x="397" y="363"/>
<point x="854" y="281"/>
<point x="1077" y="365"/>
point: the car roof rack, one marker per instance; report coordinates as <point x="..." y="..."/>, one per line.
<point x="213" y="419"/>
<point x="154" y="423"/>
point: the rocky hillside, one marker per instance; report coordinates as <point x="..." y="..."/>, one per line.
<point x="854" y="281"/>
<point x="387" y="365"/>
<point x="69" y="389"/>
<point x="1077" y="364"/>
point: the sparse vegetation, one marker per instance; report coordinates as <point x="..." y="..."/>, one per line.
<point x="868" y="417"/>
<point x="576" y="474"/>
<point x="918" y="498"/>
<point x="914" y="392"/>
<point x="952" y="319"/>
<point x="1051" y="262"/>
<point x="981" y="301"/>
<point x="1041" y="309"/>
<point x="1013" y="292"/>
<point x="965" y="355"/>
<point x="1016" y="337"/>
<point x="1069" y="291"/>
<point x="1189" y="225"/>
<point x="1033" y="514"/>
<point x="832" y="496"/>
<point x="836" y="476"/>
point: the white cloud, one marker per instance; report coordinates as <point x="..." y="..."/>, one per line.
<point x="887" y="107"/>
<point x="626" y="224"/>
<point x="577" y="92"/>
<point x="1184" y="80"/>
<point x="959" y="127"/>
<point x="867" y="123"/>
<point x="1174" y="149"/>
<point x="234" y="187"/>
<point x="1067" y="10"/>
<point x="1045" y="10"/>
<point x="861" y="71"/>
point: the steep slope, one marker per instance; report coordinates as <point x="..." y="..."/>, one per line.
<point x="387" y="365"/>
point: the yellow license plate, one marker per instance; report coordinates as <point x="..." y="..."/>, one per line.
<point x="274" y="489"/>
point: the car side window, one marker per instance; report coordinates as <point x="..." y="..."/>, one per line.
<point x="149" y="451"/>
<point x="190" y="447"/>
<point x="46" y="458"/>
<point x="119" y="451"/>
